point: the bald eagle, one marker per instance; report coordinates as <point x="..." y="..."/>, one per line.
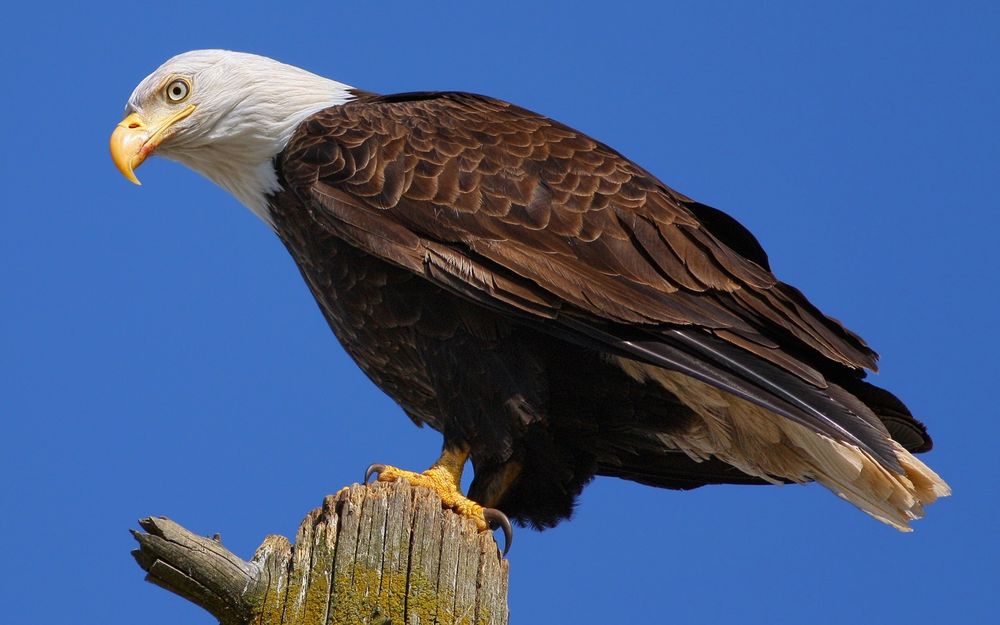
<point x="549" y="306"/>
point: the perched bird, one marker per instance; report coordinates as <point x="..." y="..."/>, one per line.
<point x="549" y="306"/>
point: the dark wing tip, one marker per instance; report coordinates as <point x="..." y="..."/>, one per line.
<point x="903" y="427"/>
<point x="731" y="232"/>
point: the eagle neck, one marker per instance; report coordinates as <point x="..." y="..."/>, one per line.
<point x="241" y="159"/>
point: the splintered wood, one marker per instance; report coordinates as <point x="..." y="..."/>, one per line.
<point x="384" y="554"/>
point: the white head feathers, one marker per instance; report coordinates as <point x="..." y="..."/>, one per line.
<point x="247" y="108"/>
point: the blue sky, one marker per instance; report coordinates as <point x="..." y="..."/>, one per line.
<point x="161" y="355"/>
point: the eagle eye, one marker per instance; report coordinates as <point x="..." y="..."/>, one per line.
<point x="178" y="90"/>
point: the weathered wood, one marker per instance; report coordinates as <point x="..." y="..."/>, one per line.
<point x="380" y="554"/>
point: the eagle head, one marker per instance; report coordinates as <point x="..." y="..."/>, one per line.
<point x="225" y="115"/>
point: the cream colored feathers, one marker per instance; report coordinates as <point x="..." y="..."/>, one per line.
<point x="774" y="448"/>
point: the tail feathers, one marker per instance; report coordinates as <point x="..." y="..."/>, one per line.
<point x="891" y="497"/>
<point x="776" y="449"/>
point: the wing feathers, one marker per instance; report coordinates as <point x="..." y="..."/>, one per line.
<point x="714" y="362"/>
<point x="532" y="218"/>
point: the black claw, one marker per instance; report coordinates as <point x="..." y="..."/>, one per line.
<point x="495" y="518"/>
<point x="374" y="468"/>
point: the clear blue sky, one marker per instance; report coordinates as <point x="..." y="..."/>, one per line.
<point x="161" y="355"/>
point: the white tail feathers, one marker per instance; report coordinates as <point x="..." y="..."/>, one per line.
<point x="767" y="445"/>
<point x="893" y="498"/>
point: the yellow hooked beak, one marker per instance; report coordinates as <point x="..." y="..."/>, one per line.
<point x="135" y="138"/>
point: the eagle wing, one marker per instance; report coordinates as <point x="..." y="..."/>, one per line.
<point x="529" y="217"/>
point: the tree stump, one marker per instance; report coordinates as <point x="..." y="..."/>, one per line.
<point x="382" y="554"/>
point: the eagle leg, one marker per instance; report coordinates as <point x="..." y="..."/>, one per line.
<point x="445" y="478"/>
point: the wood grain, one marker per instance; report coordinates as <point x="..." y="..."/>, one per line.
<point x="380" y="554"/>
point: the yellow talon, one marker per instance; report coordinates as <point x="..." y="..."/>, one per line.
<point x="441" y="481"/>
<point x="445" y="478"/>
